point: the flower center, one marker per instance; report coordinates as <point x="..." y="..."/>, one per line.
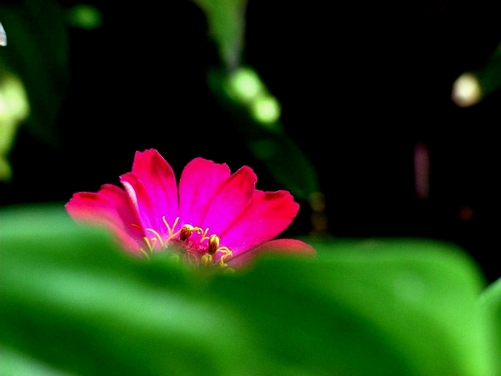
<point x="191" y="243"/>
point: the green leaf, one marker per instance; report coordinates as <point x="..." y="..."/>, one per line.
<point x="283" y="158"/>
<point x="84" y="16"/>
<point x="226" y="20"/>
<point x="489" y="75"/>
<point x="75" y="302"/>
<point x="15" y="364"/>
<point x="491" y="301"/>
<point x="71" y="298"/>
<point x="37" y="52"/>
<point x="415" y="299"/>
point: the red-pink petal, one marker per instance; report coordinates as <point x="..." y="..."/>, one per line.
<point x="268" y="214"/>
<point x="278" y="246"/>
<point x="229" y="201"/>
<point x="159" y="182"/>
<point x="199" y="182"/>
<point x="111" y="208"/>
<point x="149" y="214"/>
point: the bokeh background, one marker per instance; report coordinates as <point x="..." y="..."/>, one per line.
<point x="364" y="91"/>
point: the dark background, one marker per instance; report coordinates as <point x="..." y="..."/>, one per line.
<point x="360" y="84"/>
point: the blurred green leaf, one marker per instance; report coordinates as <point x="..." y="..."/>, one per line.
<point x="14" y="109"/>
<point x="84" y="16"/>
<point x="491" y="300"/>
<point x="244" y="88"/>
<point x="283" y="158"/>
<point x="38" y="54"/>
<point x="287" y="164"/>
<point x="418" y="297"/>
<point x="256" y="111"/>
<point x="16" y="364"/>
<point x="72" y="300"/>
<point x="226" y="20"/>
<point x="489" y="76"/>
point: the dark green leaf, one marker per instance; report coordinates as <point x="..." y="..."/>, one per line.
<point x="226" y="20"/>
<point x="37" y="53"/>
<point x="283" y="158"/>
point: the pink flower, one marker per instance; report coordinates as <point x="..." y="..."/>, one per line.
<point x="215" y="218"/>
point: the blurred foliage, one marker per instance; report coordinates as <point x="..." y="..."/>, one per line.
<point x="84" y="16"/>
<point x="255" y="110"/>
<point x="37" y="54"/>
<point x="14" y="109"/>
<point x="239" y="92"/>
<point x="491" y="300"/>
<point x="226" y="20"/>
<point x="72" y="302"/>
<point x="489" y="75"/>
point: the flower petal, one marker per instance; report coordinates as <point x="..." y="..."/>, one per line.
<point x="148" y="213"/>
<point x="229" y="201"/>
<point x="199" y="182"/>
<point x="111" y="208"/>
<point x="278" y="246"/>
<point x="268" y="214"/>
<point x="159" y="182"/>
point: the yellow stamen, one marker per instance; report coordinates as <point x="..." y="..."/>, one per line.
<point x="226" y="252"/>
<point x="171" y="229"/>
<point x="204" y="235"/>
<point x="144" y="252"/>
<point x="150" y="246"/>
<point x="213" y="248"/>
<point x="187" y="230"/>
<point x="206" y="260"/>
<point x="213" y="244"/>
<point x="157" y="236"/>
